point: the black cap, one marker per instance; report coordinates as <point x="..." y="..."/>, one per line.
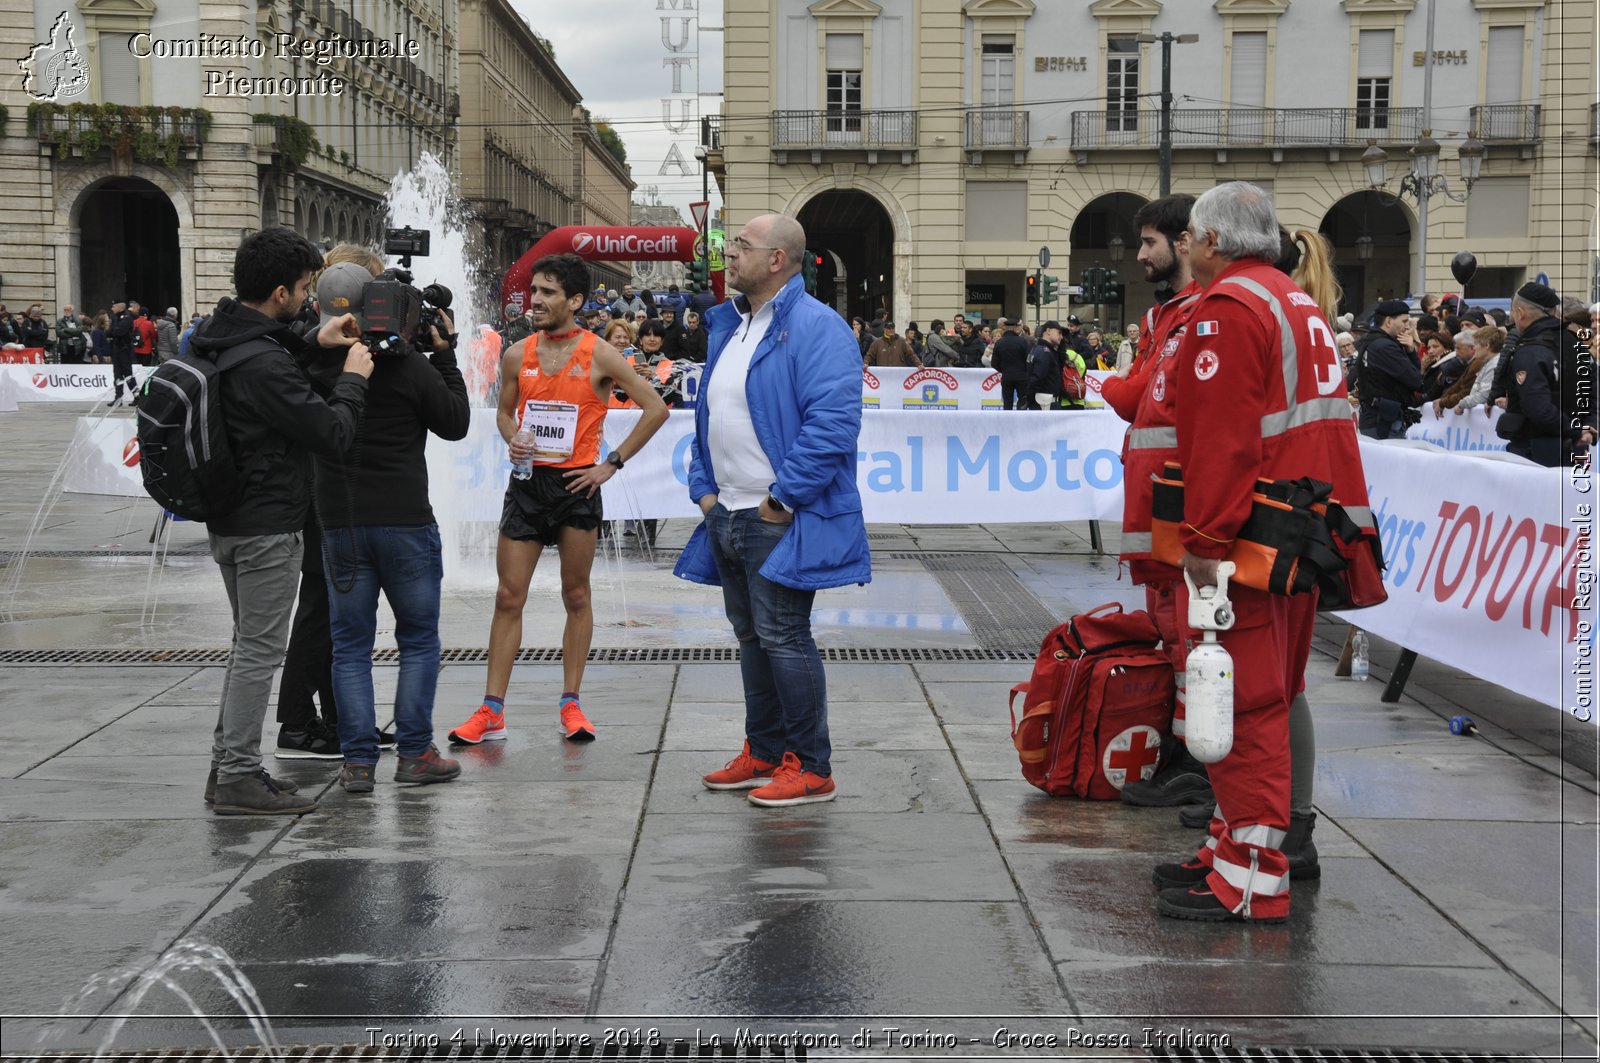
<point x="1050" y="325"/>
<point x="1072" y="319"/>
<point x="1391" y="308"/>
<point x="1539" y="295"/>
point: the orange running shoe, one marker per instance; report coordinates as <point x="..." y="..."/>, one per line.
<point x="791" y="786"/>
<point x="486" y="725"/>
<point x="743" y="772"/>
<point x="575" y="726"/>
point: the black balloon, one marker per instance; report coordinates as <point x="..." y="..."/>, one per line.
<point x="1464" y="265"/>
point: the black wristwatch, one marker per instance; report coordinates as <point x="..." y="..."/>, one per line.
<point x="615" y="459"/>
<point x="777" y="507"/>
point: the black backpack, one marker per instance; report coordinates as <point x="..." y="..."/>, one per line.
<point x="184" y="456"/>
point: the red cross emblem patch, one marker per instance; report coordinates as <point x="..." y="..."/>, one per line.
<point x="1206" y="364"/>
<point x="1131" y="755"/>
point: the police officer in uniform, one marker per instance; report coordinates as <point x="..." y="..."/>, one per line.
<point x="1389" y="373"/>
<point x="1532" y="424"/>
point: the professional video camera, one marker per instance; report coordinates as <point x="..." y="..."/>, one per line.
<point x="396" y="312"/>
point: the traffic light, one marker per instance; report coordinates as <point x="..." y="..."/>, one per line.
<point x="809" y="266"/>
<point x="1049" y="289"/>
<point x="1033" y="289"/>
<point x="700" y="274"/>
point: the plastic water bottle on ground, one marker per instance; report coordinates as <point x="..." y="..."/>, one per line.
<point x="1360" y="664"/>
<point x="523" y="470"/>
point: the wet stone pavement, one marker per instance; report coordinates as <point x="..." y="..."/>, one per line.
<point x="564" y="891"/>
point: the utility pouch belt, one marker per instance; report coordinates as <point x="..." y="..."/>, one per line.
<point x="1296" y="539"/>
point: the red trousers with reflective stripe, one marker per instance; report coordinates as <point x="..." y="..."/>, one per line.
<point x="1161" y="601"/>
<point x="1252" y="781"/>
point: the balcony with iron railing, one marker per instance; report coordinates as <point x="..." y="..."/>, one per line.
<point x="992" y="129"/>
<point x="855" y="131"/>
<point x="1265" y="127"/>
<point x="1594" y="126"/>
<point x="148" y="134"/>
<point x="713" y="132"/>
<point x="1506" y="123"/>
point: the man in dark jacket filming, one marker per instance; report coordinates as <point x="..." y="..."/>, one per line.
<point x="273" y="418"/>
<point x="379" y="533"/>
<point x="1389" y="373"/>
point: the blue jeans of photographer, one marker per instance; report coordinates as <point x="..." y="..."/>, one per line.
<point x="407" y="565"/>
<point x="785" y="691"/>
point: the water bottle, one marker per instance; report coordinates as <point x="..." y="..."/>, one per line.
<point x="1360" y="667"/>
<point x="523" y="470"/>
<point x="1209" y="699"/>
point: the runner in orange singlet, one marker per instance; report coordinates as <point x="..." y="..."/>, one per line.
<point x="558" y="381"/>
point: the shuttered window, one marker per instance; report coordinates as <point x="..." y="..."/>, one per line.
<point x="1375" y="56"/>
<point x="119" y="70"/>
<point x="1503" y="78"/>
<point x="845" y="51"/>
<point x="1249" y="80"/>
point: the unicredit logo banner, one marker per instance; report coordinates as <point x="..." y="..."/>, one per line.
<point x="64" y="384"/>
<point x="599" y="243"/>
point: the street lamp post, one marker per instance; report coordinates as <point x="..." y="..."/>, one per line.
<point x="1166" y="41"/>
<point x="705" y="195"/>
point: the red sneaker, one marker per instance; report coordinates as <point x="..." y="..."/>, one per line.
<point x="743" y="772"/>
<point x="791" y="786"/>
<point x="485" y="725"/>
<point x="575" y="726"/>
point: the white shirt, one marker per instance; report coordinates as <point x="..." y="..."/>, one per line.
<point x="743" y="473"/>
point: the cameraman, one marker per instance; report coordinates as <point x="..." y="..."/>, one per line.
<point x="379" y="531"/>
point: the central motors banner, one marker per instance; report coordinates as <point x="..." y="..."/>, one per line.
<point x="911" y="468"/>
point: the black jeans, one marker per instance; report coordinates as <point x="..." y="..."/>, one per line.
<point x="122" y="371"/>
<point x="1012" y="393"/>
<point x="308" y="666"/>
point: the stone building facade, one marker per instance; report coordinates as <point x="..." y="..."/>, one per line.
<point x="933" y="147"/>
<point x="204" y="142"/>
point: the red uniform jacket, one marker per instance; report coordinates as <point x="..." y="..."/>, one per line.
<point x="144" y="331"/>
<point x="1148" y="399"/>
<point x="1260" y="393"/>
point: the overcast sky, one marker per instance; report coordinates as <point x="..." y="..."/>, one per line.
<point x="613" y="53"/>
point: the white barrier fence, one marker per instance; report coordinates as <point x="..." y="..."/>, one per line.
<point x="1491" y="568"/>
<point x="62" y="383"/>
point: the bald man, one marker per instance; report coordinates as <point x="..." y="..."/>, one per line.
<point x="773" y="469"/>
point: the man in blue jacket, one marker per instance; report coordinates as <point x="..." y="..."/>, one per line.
<point x="773" y="469"/>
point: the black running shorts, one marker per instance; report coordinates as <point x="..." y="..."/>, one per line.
<point x="536" y="509"/>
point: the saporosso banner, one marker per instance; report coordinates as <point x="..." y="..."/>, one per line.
<point x="1466" y="432"/>
<point x="1487" y="571"/>
<point x="930" y="388"/>
<point x="64" y="383"/>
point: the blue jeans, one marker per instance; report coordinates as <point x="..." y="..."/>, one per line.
<point x="785" y="692"/>
<point x="407" y="564"/>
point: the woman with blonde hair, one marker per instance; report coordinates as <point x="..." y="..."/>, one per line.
<point x="1308" y="260"/>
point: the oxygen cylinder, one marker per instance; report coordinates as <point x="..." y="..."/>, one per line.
<point x="1209" y="671"/>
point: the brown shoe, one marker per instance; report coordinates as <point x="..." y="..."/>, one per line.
<point x="288" y="786"/>
<point x="428" y="768"/>
<point x="258" y="796"/>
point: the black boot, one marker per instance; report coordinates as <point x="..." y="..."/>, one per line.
<point x="1179" y="780"/>
<point x="1299" y="848"/>
<point x="1197" y="815"/>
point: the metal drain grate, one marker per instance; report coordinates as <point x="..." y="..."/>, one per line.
<point x="193" y="550"/>
<point x="1000" y="611"/>
<point x="532" y="655"/>
<point x="1319" y="1055"/>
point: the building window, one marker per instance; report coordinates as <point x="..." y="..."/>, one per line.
<point x="999" y="74"/>
<point x="1374" y="71"/>
<point x="119" y="70"/>
<point x="845" y="59"/>
<point x="1122" y="84"/>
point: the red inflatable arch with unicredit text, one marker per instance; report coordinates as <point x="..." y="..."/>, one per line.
<point x="597" y="243"/>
